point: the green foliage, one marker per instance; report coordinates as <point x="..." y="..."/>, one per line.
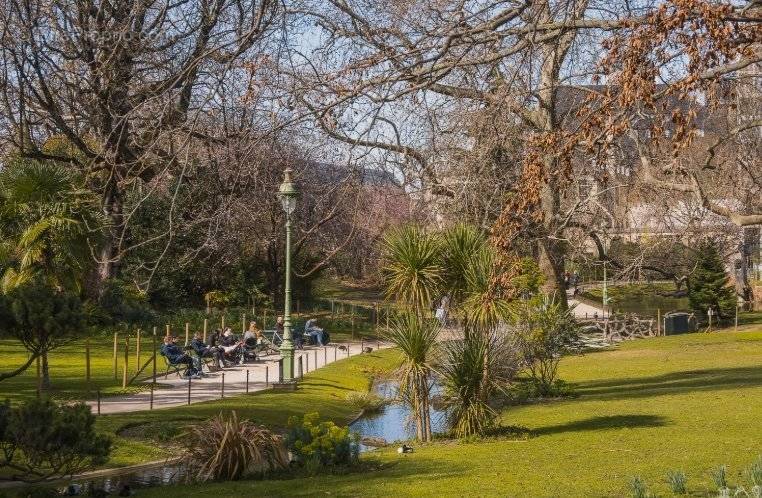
<point x="217" y="299"/>
<point x="313" y="441"/>
<point x="41" y="439"/>
<point x="228" y="449"/>
<point x="459" y="245"/>
<point x="677" y="481"/>
<point x="754" y="472"/>
<point x="121" y="303"/>
<point x="416" y="338"/>
<point x="543" y="330"/>
<point x="708" y="284"/>
<point x="48" y="223"/>
<point x="412" y="266"/>
<point x="720" y="477"/>
<point x="638" y="488"/>
<point x="41" y="318"/>
<point x="473" y="371"/>
<point x="366" y="401"/>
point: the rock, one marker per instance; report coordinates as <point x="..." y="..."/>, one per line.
<point x="374" y="442"/>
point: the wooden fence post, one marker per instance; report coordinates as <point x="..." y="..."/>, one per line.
<point x="115" y="360"/>
<point x="137" y="351"/>
<point x="206" y="326"/>
<point x="658" y="321"/>
<point x="187" y="333"/>
<point x="167" y="334"/>
<point x="243" y="323"/>
<point x="222" y="323"/>
<point x="87" y="364"/>
<point x="126" y="360"/>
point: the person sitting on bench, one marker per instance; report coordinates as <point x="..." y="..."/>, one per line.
<point x="315" y="333"/>
<point x="176" y="356"/>
<point x="204" y="351"/>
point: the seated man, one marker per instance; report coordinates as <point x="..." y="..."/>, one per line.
<point x="204" y="351"/>
<point x="232" y="347"/>
<point x="315" y="333"/>
<point x="175" y="356"/>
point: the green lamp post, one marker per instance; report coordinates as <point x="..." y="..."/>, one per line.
<point x="287" y="194"/>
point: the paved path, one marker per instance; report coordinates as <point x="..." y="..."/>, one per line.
<point x="174" y="390"/>
<point x="585" y="310"/>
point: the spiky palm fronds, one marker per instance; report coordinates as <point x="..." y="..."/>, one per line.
<point x="459" y="245"/>
<point x="473" y="371"/>
<point x="483" y="306"/>
<point x="415" y="336"/>
<point x="50" y="221"/>
<point x="231" y="449"/>
<point x="412" y="266"/>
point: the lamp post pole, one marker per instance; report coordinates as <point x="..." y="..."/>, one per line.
<point x="287" y="194"/>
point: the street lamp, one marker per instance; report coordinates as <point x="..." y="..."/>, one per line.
<point x="287" y="194"/>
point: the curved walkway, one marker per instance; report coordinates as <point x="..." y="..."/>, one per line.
<point x="173" y="391"/>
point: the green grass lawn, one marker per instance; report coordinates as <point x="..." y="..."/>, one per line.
<point x="689" y="402"/>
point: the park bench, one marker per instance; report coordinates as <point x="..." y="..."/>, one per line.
<point x="174" y="367"/>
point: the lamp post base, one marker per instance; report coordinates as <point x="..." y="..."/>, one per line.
<point x="285" y="385"/>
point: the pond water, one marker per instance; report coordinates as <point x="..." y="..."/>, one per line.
<point x="648" y="305"/>
<point x="121" y="483"/>
<point x="393" y="422"/>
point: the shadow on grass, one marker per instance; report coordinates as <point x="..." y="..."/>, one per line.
<point x="604" y="422"/>
<point x="673" y="383"/>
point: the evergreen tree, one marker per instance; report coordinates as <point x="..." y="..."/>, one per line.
<point x="708" y="284"/>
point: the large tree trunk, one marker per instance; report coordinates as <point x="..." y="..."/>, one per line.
<point x="553" y="267"/>
<point x="109" y="256"/>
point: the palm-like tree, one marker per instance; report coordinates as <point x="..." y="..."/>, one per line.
<point x="473" y="371"/>
<point x="412" y="266"/>
<point x="415" y="336"/>
<point x="47" y="224"/>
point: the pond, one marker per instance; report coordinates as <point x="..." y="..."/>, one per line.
<point x="393" y="422"/>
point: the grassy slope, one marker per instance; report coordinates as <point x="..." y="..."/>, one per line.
<point x="686" y="402"/>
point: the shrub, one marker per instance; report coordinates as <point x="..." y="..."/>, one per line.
<point x="473" y="372"/>
<point x="543" y="331"/>
<point x="708" y="284"/>
<point x="638" y="488"/>
<point x="677" y="480"/>
<point x="754" y="472"/>
<point x="231" y="449"/>
<point x="720" y="477"/>
<point x="323" y="442"/>
<point x="41" y="439"/>
<point x="366" y="401"/>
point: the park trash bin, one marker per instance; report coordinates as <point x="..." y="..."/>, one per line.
<point x="676" y="323"/>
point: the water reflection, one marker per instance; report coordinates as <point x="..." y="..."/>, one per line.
<point x="393" y="422"/>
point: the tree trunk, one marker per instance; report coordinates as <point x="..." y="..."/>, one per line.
<point x="45" y="384"/>
<point x="552" y="266"/>
<point x="109" y="256"/>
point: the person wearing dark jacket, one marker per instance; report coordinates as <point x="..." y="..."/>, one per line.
<point x="204" y="351"/>
<point x="176" y="356"/>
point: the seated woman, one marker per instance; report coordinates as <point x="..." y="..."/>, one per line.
<point x="204" y="351"/>
<point x="316" y="334"/>
<point x="176" y="356"/>
<point x="232" y="347"/>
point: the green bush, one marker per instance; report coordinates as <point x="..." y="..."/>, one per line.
<point x="323" y="442"/>
<point x="677" y="481"/>
<point x="708" y="285"/>
<point x="41" y="439"/>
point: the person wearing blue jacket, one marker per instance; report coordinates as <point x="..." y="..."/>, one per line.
<point x="176" y="356"/>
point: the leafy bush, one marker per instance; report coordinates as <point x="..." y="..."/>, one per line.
<point x="41" y="439"/>
<point x="323" y="442"/>
<point x="366" y="401"/>
<point x="232" y="449"/>
<point x="677" y="480"/>
<point x="543" y="330"/>
<point x="754" y="472"/>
